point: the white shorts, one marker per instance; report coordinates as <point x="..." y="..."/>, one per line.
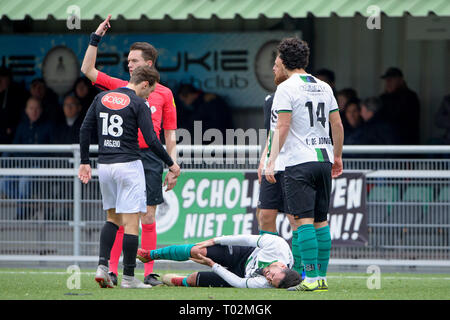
<point x="123" y="186"/>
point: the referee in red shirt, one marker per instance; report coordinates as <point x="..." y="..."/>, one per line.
<point x="163" y="110"/>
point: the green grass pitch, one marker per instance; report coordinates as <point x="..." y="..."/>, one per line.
<point x="52" y="284"/>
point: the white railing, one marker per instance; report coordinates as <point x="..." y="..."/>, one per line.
<point x="384" y="165"/>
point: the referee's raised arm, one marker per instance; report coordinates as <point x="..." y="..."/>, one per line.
<point x="88" y="65"/>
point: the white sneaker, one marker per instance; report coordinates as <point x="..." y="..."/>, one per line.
<point x="102" y="277"/>
<point x="133" y="283"/>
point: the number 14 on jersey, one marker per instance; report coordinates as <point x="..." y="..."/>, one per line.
<point x="320" y="113"/>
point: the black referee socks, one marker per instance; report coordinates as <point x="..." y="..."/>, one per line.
<point x="107" y="238"/>
<point x="130" y="247"/>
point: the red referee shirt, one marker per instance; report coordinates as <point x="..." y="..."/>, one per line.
<point x="161" y="101"/>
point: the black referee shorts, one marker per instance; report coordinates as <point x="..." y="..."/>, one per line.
<point x="233" y="258"/>
<point x="153" y="170"/>
<point x="272" y="196"/>
<point x="308" y="189"/>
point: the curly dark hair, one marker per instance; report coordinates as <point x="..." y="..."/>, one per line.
<point x="291" y="279"/>
<point x="294" y="53"/>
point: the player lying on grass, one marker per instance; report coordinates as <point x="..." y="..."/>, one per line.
<point x="241" y="261"/>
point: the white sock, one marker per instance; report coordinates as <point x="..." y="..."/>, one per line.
<point x="311" y="280"/>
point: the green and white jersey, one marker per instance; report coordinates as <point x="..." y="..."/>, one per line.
<point x="279" y="164"/>
<point x="310" y="101"/>
<point x="268" y="249"/>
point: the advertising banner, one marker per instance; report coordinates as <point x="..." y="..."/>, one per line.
<point x="237" y="66"/>
<point x="206" y="204"/>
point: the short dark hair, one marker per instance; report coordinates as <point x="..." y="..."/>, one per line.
<point x="392" y="72"/>
<point x="327" y="73"/>
<point x="349" y="93"/>
<point x="187" y="88"/>
<point x="5" y="72"/>
<point x="373" y="104"/>
<point x="148" y="51"/>
<point x="353" y="101"/>
<point x="145" y="73"/>
<point x="294" y="53"/>
<point x="291" y="279"/>
<point x="39" y="80"/>
<point x="72" y="95"/>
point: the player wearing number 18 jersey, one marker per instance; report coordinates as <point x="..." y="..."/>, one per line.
<point x="163" y="116"/>
<point x="117" y="115"/>
<point x="306" y="107"/>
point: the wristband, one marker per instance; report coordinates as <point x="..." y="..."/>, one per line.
<point x="95" y="39"/>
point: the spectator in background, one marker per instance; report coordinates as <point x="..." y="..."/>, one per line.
<point x="12" y="103"/>
<point x="375" y="130"/>
<point x="33" y="129"/>
<point x="85" y="92"/>
<point x="401" y="107"/>
<point x="185" y="109"/>
<point x="442" y="119"/>
<point x="211" y="109"/>
<point x="327" y="76"/>
<point x="51" y="110"/>
<point x="68" y="131"/>
<point x="344" y="96"/>
<point x="353" y="125"/>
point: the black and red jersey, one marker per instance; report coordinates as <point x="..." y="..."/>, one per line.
<point x="117" y="115"/>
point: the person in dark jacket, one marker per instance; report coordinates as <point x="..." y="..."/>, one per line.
<point x="442" y="119"/>
<point x="12" y="103"/>
<point x="353" y="124"/>
<point x="68" y="131"/>
<point x="376" y="131"/>
<point x="211" y="109"/>
<point x="33" y="129"/>
<point x="51" y="108"/>
<point x="400" y="107"/>
<point x="85" y="92"/>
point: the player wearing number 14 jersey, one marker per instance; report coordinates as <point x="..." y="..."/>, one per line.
<point x="306" y="107"/>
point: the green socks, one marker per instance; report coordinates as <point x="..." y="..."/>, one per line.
<point x="180" y="252"/>
<point x="184" y="282"/>
<point x="324" y="247"/>
<point x="308" y="249"/>
<point x="296" y="253"/>
<point x="311" y="249"/>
